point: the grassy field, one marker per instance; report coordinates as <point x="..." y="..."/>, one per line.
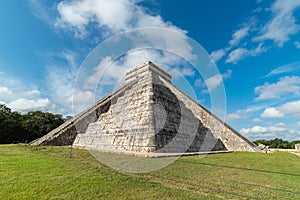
<point x="49" y="173"/>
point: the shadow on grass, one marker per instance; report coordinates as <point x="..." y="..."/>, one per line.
<point x="241" y="168"/>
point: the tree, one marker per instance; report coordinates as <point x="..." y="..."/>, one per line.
<point x="277" y="143"/>
<point x="15" y="127"/>
<point x="37" y="123"/>
<point x="10" y="127"/>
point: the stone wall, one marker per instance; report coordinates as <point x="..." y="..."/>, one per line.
<point x="232" y="140"/>
<point x="128" y="124"/>
<point x="147" y="114"/>
<point x="177" y="129"/>
<point x="66" y="133"/>
<point x="148" y="117"/>
<point x="297" y="147"/>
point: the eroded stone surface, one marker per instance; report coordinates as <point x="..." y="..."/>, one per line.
<point x="148" y="114"/>
<point x="297" y="147"/>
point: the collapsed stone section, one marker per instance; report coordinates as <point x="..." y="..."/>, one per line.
<point x="126" y="126"/>
<point x="148" y="114"/>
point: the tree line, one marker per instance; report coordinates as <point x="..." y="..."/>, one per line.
<point x="278" y="143"/>
<point x="22" y="128"/>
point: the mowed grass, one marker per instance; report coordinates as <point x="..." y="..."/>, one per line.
<point x="27" y="172"/>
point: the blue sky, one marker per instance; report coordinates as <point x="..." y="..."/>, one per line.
<point x="255" y="46"/>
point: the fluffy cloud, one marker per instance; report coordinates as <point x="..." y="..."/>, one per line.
<point x="236" y="55"/>
<point x="81" y="100"/>
<point x="271" y="112"/>
<point x="297" y="44"/>
<point x="4" y="92"/>
<point x="238" y="35"/>
<point x="20" y="97"/>
<point x="112" y="16"/>
<point x="279" y="130"/>
<point x="25" y="105"/>
<point x="291" y="108"/>
<point x="214" y="81"/>
<point x="288" y="109"/>
<point x="115" y="16"/>
<point x="217" y="55"/>
<point x="233" y="116"/>
<point x="283" y="23"/>
<point x="286" y="85"/>
<point x="241" y="53"/>
<point x="281" y="26"/>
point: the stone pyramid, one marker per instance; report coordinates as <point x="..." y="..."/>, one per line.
<point x="147" y="114"/>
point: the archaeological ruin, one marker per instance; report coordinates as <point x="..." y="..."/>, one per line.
<point x="147" y="114"/>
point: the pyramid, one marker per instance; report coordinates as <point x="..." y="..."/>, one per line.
<point x="147" y="114"/>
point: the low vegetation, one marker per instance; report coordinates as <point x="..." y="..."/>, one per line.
<point x="29" y="172"/>
<point x="278" y="143"/>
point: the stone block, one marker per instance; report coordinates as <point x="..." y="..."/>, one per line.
<point x="147" y="114"/>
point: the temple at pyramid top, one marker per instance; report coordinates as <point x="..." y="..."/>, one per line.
<point x="148" y="114"/>
<point x="141" y="70"/>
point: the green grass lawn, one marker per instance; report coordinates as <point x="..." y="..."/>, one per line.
<point x="49" y="173"/>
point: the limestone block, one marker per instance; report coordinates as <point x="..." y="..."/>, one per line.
<point x="297" y="147"/>
<point x="147" y="114"/>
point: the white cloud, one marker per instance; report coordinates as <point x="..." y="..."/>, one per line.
<point x="116" y="15"/>
<point x="279" y="127"/>
<point x="4" y="92"/>
<point x="284" y="69"/>
<point x="238" y="115"/>
<point x="271" y="112"/>
<point x="22" y="97"/>
<point x="181" y="72"/>
<point x="279" y="130"/>
<point x="281" y="26"/>
<point x="214" y="81"/>
<point x="107" y="71"/>
<point x="288" y="109"/>
<point x="283" y="23"/>
<point x="81" y="100"/>
<point x="241" y="53"/>
<point x="236" y="55"/>
<point x="113" y="15"/>
<point x="24" y="105"/>
<point x="233" y="116"/>
<point x="238" y="35"/>
<point x="298" y="124"/>
<point x="256" y="120"/>
<point x="217" y="55"/>
<point x="286" y="85"/>
<point x="297" y="44"/>
<point x="292" y="108"/>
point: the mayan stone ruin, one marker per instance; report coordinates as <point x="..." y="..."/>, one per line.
<point x="147" y="114"/>
<point x="297" y="147"/>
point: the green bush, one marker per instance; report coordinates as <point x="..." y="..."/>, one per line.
<point x="21" y="128"/>
<point x="277" y="143"/>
